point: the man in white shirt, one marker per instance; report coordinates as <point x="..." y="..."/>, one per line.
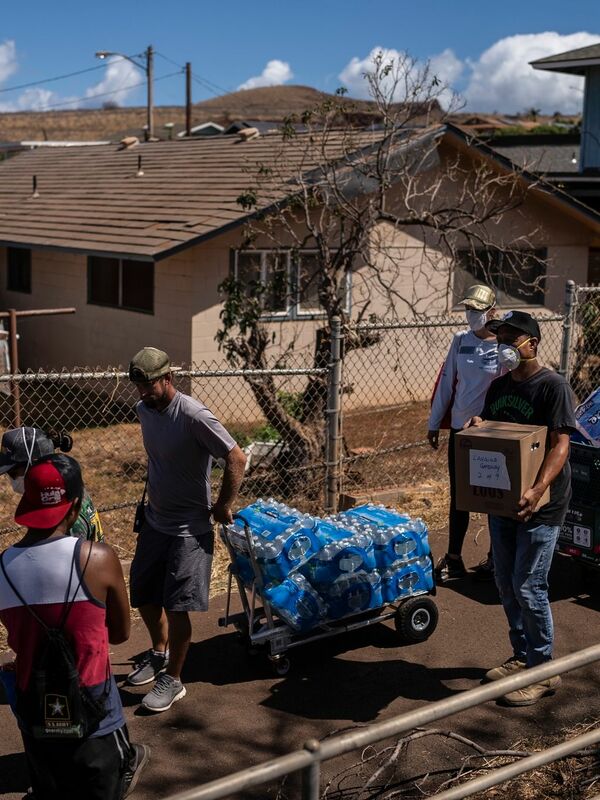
<point x="470" y="367"/>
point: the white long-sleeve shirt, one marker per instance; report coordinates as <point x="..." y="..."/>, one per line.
<point x="470" y="366"/>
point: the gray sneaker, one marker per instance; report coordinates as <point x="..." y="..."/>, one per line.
<point x="166" y="691"/>
<point x="149" y="667"/>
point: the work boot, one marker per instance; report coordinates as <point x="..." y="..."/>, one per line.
<point x="148" y="668"/>
<point x="167" y="690"/>
<point x="509" y="667"/>
<point x="449" y="568"/>
<point x="484" y="571"/>
<point x="531" y="694"/>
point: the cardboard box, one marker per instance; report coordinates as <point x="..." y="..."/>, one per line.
<point x="495" y="463"/>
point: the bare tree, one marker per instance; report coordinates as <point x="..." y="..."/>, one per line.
<point x="391" y="209"/>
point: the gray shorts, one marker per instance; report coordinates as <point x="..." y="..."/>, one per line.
<point x="171" y="571"/>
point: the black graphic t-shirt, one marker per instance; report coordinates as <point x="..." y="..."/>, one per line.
<point x="543" y="399"/>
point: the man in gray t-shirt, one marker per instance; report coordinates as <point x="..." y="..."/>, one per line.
<point x="170" y="572"/>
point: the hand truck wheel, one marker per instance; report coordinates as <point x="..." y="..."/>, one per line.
<point x="281" y="665"/>
<point x="416" y="619"/>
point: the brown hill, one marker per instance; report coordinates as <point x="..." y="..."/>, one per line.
<point x="271" y="103"/>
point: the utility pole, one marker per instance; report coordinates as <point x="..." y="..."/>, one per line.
<point x="150" y="81"/>
<point x="188" y="98"/>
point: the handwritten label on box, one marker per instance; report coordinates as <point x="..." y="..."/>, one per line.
<point x="488" y="469"/>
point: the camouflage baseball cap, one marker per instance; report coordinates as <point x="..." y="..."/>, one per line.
<point x="479" y="296"/>
<point x="148" y="365"/>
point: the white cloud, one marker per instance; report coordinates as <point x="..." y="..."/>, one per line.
<point x="120" y="74"/>
<point x="406" y="73"/>
<point x="8" y="59"/>
<point x="501" y="78"/>
<point x="274" y="74"/>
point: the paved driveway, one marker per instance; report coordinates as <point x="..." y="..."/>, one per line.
<point x="237" y="713"/>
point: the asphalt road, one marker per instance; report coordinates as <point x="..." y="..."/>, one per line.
<point x="237" y="713"/>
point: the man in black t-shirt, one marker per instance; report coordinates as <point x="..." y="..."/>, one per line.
<point x="523" y="549"/>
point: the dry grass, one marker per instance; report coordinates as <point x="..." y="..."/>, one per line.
<point x="576" y="777"/>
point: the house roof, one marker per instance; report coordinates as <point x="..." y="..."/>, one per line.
<point x="94" y="199"/>
<point x="544" y="153"/>
<point x="574" y="62"/>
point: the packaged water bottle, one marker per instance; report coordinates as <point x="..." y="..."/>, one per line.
<point x="288" y="551"/>
<point x="406" y="579"/>
<point x="377" y="514"/>
<point x="394" y="544"/>
<point x="353" y="593"/>
<point x="383" y="517"/>
<point x="297" y="603"/>
<point x="352" y="554"/>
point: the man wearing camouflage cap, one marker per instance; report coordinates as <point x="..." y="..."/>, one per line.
<point x="170" y="572"/>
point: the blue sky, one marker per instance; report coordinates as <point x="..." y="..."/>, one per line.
<point x="481" y="50"/>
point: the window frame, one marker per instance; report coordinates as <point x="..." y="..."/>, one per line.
<point x="511" y="300"/>
<point x="293" y="310"/>
<point x="120" y="306"/>
<point x="29" y="282"/>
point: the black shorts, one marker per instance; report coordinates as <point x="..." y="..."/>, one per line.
<point x="171" y="571"/>
<point x="93" y="768"/>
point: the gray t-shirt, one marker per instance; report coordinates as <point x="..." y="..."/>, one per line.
<point x="181" y="442"/>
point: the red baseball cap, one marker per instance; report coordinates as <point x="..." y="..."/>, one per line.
<point x="46" y="500"/>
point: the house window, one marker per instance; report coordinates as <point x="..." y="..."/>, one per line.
<point x="121" y="283"/>
<point x="291" y="281"/>
<point x="519" y="278"/>
<point x="593" y="276"/>
<point x="18" y="276"/>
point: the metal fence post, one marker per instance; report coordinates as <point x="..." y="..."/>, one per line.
<point x="334" y="405"/>
<point x="568" y="327"/>
<point x="13" y="349"/>
<point x="311" y="775"/>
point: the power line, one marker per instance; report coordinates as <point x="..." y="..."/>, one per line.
<point x="107" y="94"/>
<point x="57" y="78"/>
<point x="212" y="87"/>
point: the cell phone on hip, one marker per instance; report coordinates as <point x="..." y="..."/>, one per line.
<point x="140" y="512"/>
<point x="140" y="516"/>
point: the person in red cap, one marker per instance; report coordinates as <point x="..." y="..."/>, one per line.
<point x="52" y="580"/>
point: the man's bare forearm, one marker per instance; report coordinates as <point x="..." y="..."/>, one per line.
<point x="232" y="477"/>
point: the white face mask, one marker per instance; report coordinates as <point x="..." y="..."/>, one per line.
<point x="509" y="355"/>
<point x="18" y="484"/>
<point x="476" y="319"/>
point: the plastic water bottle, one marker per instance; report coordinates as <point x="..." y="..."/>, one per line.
<point x="297" y="603"/>
<point x="394" y="544"/>
<point x="287" y="552"/>
<point x="340" y="557"/>
<point x="406" y="579"/>
<point x="353" y="593"/>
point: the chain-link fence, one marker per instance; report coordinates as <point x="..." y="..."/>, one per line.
<point x="582" y="338"/>
<point x="98" y="409"/>
<point x="385" y="390"/>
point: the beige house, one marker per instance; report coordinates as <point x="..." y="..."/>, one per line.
<point x="139" y="239"/>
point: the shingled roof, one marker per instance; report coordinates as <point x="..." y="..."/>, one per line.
<point x="571" y="61"/>
<point x="92" y="199"/>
